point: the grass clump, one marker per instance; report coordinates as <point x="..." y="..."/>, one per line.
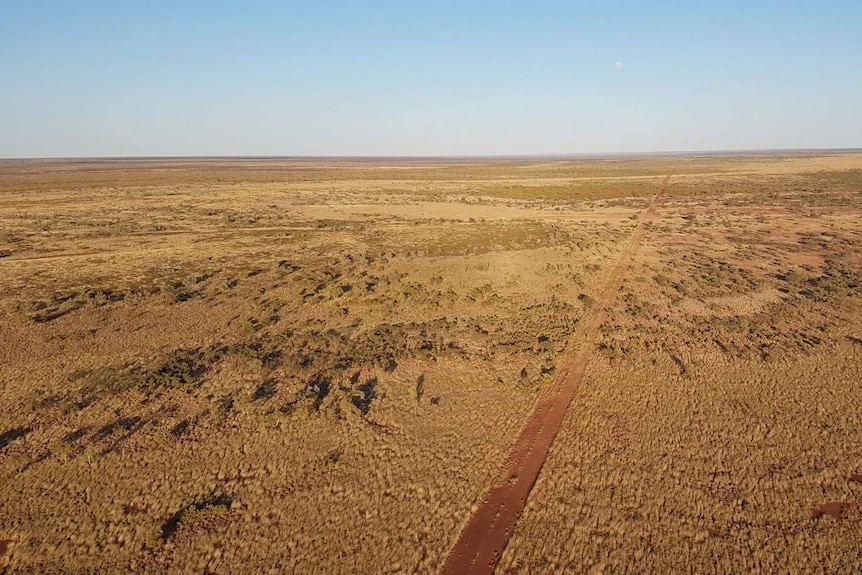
<point x="199" y="514"/>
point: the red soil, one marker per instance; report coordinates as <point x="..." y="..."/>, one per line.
<point x="5" y="544"/>
<point x="832" y="508"/>
<point x="486" y="535"/>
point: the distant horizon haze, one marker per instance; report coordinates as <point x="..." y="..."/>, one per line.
<point x="465" y="157"/>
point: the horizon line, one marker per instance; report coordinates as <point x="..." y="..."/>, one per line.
<point x="532" y="156"/>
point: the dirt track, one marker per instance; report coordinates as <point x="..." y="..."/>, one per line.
<point x="486" y="535"/>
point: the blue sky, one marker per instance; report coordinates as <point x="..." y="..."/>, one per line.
<point x="117" y="78"/>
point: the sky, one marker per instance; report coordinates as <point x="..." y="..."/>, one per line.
<point x="386" y="78"/>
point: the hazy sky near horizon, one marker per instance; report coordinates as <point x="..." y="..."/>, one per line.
<point x="122" y="78"/>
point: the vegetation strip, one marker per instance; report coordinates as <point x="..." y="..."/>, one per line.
<point x="481" y="543"/>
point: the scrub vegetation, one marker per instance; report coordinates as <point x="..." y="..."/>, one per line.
<point x="322" y="366"/>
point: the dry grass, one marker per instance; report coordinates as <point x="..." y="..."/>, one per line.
<point x="321" y="366"/>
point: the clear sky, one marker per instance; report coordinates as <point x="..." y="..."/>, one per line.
<point x="129" y="78"/>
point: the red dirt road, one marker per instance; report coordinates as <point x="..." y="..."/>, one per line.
<point x="486" y="535"/>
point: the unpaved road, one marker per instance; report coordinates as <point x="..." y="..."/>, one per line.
<point x="486" y="535"/>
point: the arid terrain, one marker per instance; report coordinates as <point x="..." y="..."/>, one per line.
<point x="637" y="365"/>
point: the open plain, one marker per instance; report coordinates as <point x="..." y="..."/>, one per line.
<point x="332" y="366"/>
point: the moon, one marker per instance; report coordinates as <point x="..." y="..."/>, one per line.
<point x="618" y="65"/>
